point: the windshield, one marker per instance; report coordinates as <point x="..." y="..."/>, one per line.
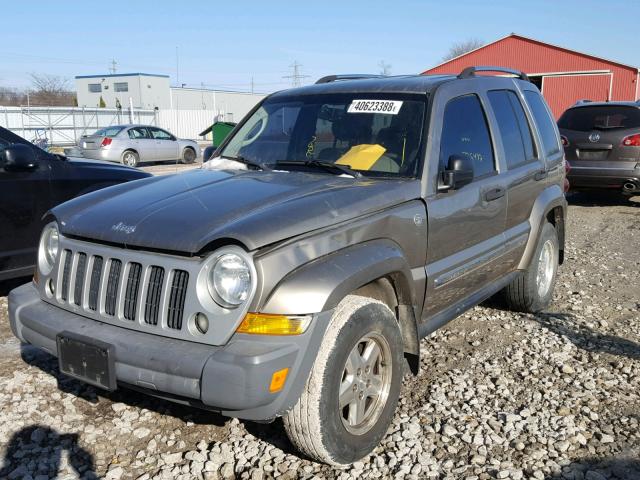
<point x="585" y="119"/>
<point x="373" y="134"/>
<point x="108" y="131"/>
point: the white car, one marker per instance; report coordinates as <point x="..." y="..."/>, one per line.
<point x="132" y="144"/>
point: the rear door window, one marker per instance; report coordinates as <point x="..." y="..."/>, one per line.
<point x="514" y="127"/>
<point x="138" y="132"/>
<point x="465" y="133"/>
<point x="544" y="122"/>
<point x="600" y="117"/>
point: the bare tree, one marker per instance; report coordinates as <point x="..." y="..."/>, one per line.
<point x="460" y="48"/>
<point x="50" y="90"/>
<point x="12" y="97"/>
<point x="385" y="68"/>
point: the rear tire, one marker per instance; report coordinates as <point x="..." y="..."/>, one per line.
<point x="130" y="158"/>
<point x="532" y="290"/>
<point x="351" y="394"/>
<point x="188" y="155"/>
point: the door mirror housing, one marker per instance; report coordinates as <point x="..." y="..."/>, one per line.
<point x="459" y="173"/>
<point x="18" y="158"/>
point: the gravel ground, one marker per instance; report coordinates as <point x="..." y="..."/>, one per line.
<point x="500" y="395"/>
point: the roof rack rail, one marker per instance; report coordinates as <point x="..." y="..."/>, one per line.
<point x="583" y="101"/>
<point x="349" y="76"/>
<point x="470" y="72"/>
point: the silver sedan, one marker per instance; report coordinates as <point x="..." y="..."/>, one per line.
<point x="132" y="144"/>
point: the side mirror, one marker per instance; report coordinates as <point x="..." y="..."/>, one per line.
<point x="208" y="152"/>
<point x="18" y="158"/>
<point x="459" y="173"/>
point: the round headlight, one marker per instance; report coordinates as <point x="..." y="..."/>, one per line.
<point x="231" y="279"/>
<point x="49" y="247"/>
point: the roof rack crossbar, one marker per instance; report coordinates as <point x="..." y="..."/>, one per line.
<point x="349" y="76"/>
<point x="470" y="72"/>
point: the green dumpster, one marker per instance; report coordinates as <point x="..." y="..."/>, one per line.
<point x="219" y="131"/>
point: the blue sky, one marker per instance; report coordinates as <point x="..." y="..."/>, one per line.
<point x="225" y="44"/>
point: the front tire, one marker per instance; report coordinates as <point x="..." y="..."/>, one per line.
<point x="188" y="155"/>
<point x="532" y="290"/>
<point x="351" y="395"/>
<point x="130" y="158"/>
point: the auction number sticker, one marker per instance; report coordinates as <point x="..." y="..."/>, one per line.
<point x="389" y="107"/>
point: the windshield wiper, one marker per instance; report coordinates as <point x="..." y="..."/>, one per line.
<point x="246" y="161"/>
<point x="331" y="167"/>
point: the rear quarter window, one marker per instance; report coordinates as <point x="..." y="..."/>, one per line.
<point x="600" y="117"/>
<point x="545" y="123"/>
<point x="513" y="126"/>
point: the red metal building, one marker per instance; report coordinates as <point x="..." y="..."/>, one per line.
<point x="564" y="76"/>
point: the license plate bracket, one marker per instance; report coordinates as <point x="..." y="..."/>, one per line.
<point x="87" y="359"/>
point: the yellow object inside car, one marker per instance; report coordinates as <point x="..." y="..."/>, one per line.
<point x="362" y="157"/>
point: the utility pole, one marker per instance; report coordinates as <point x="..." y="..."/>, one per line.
<point x="251" y="84"/>
<point x="296" y="77"/>
<point x="177" y="68"/>
<point x="112" y="68"/>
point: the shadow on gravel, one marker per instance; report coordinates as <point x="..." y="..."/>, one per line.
<point x="49" y="364"/>
<point x="609" y="468"/>
<point x="37" y="450"/>
<point x="272" y="433"/>
<point x="587" y="338"/>
<point x="602" y="199"/>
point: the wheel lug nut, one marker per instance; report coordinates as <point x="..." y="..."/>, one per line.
<point x="367" y="370"/>
<point x="359" y="372"/>
<point x="355" y="388"/>
<point x="361" y="395"/>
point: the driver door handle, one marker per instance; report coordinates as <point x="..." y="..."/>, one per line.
<point x="540" y="175"/>
<point x="494" y="194"/>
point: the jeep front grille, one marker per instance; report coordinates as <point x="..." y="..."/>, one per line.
<point x="118" y="295"/>
<point x="133" y="289"/>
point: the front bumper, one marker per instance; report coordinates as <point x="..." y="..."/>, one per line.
<point x="233" y="379"/>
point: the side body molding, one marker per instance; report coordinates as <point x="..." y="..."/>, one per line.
<point x="550" y="198"/>
<point x="320" y="284"/>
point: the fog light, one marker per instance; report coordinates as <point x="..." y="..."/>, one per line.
<point x="277" y="380"/>
<point x="267" y="324"/>
<point x="202" y="322"/>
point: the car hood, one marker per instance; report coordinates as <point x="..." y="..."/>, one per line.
<point x="187" y="212"/>
<point x="110" y="166"/>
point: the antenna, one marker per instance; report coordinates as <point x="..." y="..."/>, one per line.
<point x="113" y="64"/>
<point x="296" y="77"/>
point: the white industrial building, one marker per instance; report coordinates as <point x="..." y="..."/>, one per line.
<point x="152" y="91"/>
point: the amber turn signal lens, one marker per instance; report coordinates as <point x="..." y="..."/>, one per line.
<point x="268" y="324"/>
<point x="277" y="380"/>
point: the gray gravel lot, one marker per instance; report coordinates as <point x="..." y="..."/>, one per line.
<point x="500" y="395"/>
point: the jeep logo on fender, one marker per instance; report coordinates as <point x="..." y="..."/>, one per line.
<point x="121" y="227"/>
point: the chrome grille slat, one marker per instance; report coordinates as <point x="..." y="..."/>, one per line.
<point x="79" y="278"/>
<point x="176" y="299"/>
<point x="131" y="292"/>
<point x="154" y="292"/>
<point x="94" y="285"/>
<point x="66" y="274"/>
<point x="113" y="282"/>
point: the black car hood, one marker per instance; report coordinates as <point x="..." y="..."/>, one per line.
<point x="186" y="212"/>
